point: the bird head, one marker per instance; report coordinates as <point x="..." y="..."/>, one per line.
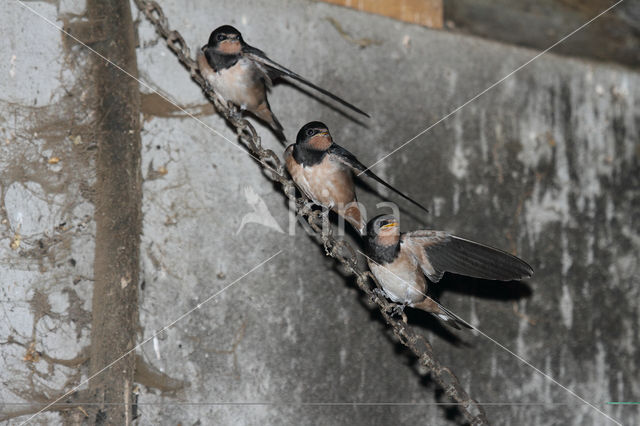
<point x="314" y="135"/>
<point x="225" y="40"/>
<point x="384" y="230"/>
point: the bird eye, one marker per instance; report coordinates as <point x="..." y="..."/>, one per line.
<point x="310" y="132"/>
<point x="221" y="37"/>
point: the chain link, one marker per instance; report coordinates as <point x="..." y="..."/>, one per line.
<point x="339" y="249"/>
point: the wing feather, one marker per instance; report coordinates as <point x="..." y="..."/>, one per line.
<point x="340" y="154"/>
<point x="439" y="252"/>
<point x="274" y="69"/>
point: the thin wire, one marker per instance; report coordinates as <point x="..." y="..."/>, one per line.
<point x="493" y="85"/>
<point x="503" y="347"/>
<point x="313" y="404"/>
<point x="239" y="147"/>
<point x="211" y="129"/>
<point x="198" y="306"/>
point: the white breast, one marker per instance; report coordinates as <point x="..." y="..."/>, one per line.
<point x="302" y="180"/>
<point x="321" y="181"/>
<point x="236" y="83"/>
<point x="401" y="283"/>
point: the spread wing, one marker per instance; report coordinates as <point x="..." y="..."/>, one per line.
<point x="439" y="252"/>
<point x="273" y="70"/>
<point x="345" y="157"/>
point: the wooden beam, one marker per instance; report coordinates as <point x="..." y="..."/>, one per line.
<point x="118" y="217"/>
<point x="422" y="12"/>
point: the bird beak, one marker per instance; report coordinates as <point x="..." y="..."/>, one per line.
<point x="390" y="225"/>
<point x="323" y="133"/>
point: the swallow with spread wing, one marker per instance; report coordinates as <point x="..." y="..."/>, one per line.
<point x="400" y="261"/>
<point x="242" y="74"/>
<point x="323" y="171"/>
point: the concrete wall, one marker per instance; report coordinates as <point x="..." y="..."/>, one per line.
<point x="545" y="165"/>
<point x="614" y="36"/>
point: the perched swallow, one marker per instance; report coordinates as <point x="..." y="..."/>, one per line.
<point x="323" y="171"/>
<point x="400" y="261"/>
<point x="243" y="74"/>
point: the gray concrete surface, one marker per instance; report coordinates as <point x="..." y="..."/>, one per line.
<point x="46" y="213"/>
<point x="544" y="165"/>
<point x="538" y="24"/>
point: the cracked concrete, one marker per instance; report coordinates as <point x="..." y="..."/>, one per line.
<point x="544" y="165"/>
<point x="46" y="163"/>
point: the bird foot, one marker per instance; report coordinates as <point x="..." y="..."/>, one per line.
<point x="306" y="205"/>
<point x="398" y="310"/>
<point x="234" y="112"/>
<point x="378" y="292"/>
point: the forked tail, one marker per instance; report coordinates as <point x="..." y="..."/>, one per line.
<point x="434" y="308"/>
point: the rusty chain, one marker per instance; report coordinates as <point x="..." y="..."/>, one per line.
<point x="337" y="248"/>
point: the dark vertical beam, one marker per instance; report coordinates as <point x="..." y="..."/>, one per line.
<point x="118" y="214"/>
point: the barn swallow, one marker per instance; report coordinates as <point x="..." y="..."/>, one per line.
<point x="323" y="171"/>
<point x="400" y="262"/>
<point x="242" y="74"/>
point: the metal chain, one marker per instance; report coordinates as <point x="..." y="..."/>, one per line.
<point x="339" y="249"/>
